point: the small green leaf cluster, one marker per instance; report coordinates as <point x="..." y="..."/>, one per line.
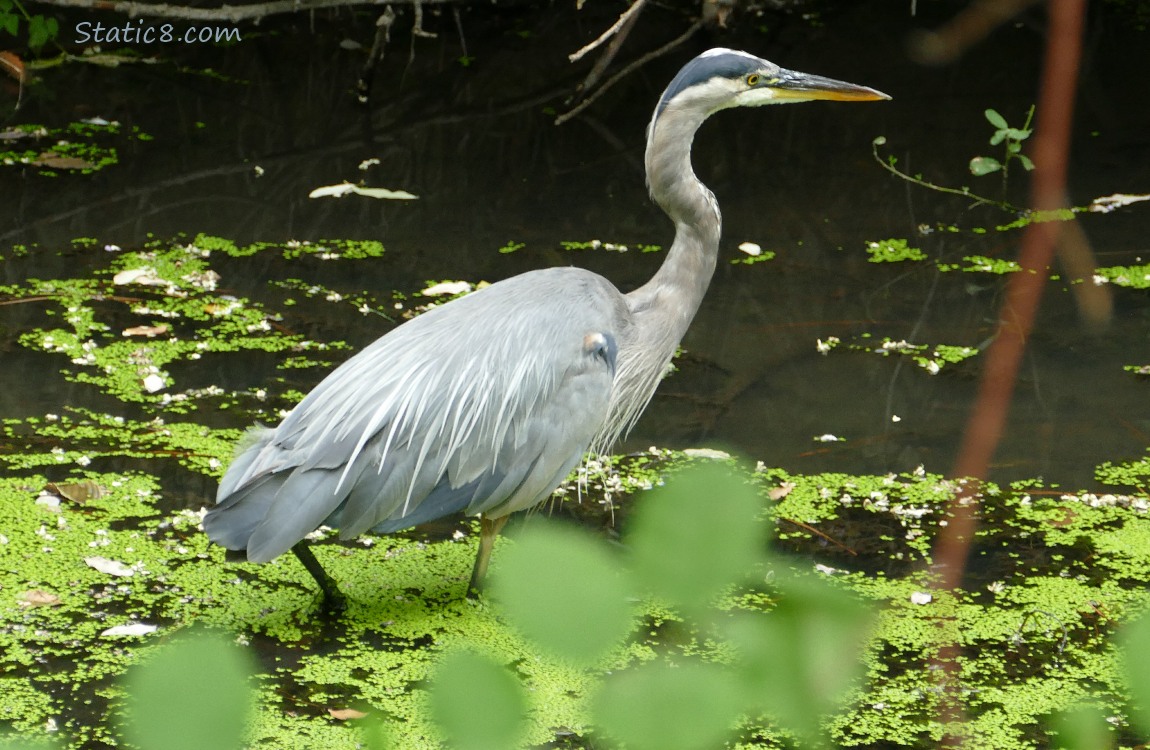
<point x="613" y="247"/>
<point x="1012" y="138"/>
<point x="932" y="358"/>
<point x="893" y="251"/>
<point x="41" y="29"/>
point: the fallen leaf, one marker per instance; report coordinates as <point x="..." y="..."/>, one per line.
<point x="347" y="188"/>
<point x="54" y="161"/>
<point x="132" y="628"/>
<point x="709" y="453"/>
<point x="343" y="714"/>
<point x="148" y="331"/>
<point x="13" y="66"/>
<point x="142" y="275"/>
<point x="153" y="383"/>
<point x="446" y="287"/>
<point x="1108" y="203"/>
<point x="778" y="493"/>
<point x="110" y="567"/>
<point x="77" y="492"/>
<point x="37" y="598"/>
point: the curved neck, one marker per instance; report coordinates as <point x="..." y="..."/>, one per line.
<point x="677" y="288"/>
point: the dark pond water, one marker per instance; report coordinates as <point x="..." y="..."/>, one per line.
<point x="479" y="146"/>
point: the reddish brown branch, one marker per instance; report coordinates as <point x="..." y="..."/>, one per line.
<point x="1023" y="293"/>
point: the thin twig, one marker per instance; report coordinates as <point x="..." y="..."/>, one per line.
<point x="600" y="67"/>
<point x="224" y="12"/>
<point x="628" y="70"/>
<point x="634" y="9"/>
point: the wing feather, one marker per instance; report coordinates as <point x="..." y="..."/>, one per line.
<point x="483" y="404"/>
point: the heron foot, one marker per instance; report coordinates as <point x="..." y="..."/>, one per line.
<point x="334" y="600"/>
<point x="488" y="529"/>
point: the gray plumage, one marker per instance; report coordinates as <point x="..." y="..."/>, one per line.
<point x="485" y="404"/>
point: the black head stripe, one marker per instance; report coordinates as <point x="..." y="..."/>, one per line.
<point x="717" y="62"/>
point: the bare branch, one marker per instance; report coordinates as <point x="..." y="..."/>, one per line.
<point x="233" y="13"/>
<point x="630" y="69"/>
<point x="635" y="8"/>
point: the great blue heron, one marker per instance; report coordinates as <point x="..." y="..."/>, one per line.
<point x="484" y="405"/>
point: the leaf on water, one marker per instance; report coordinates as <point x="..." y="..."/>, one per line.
<point x="76" y="492"/>
<point x="153" y="383"/>
<point x="148" y="331"/>
<point x="562" y="589"/>
<point x="37" y="598"/>
<point x="53" y="160"/>
<point x="445" y="288"/>
<point x="477" y="703"/>
<point x="781" y="491"/>
<point x="343" y="714"/>
<point x="708" y="453"/>
<point x="347" y="188"/>
<point x="110" y="567"/>
<point x="145" y="275"/>
<point x="1108" y="203"/>
<point x="131" y="629"/>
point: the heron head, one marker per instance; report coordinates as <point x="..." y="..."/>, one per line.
<point x="722" y="78"/>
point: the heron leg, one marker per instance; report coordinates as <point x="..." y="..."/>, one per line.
<point x="333" y="598"/>
<point x="488" y="529"/>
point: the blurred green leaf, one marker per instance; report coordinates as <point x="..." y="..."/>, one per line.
<point x="798" y="660"/>
<point x="981" y="165"/>
<point x="696" y="536"/>
<point x="996" y="119"/>
<point x="1081" y="728"/>
<point x="192" y="694"/>
<point x="1134" y="640"/>
<point x="477" y="703"/>
<point x="41" y="30"/>
<point x="561" y="588"/>
<point x="376" y="734"/>
<point x="659" y="706"/>
<point x="1027" y="164"/>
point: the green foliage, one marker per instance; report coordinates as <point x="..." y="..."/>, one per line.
<point x="1135" y="645"/>
<point x="691" y="542"/>
<point x="659" y="706"/>
<point x="41" y="29"/>
<point x="1012" y="140"/>
<point x="565" y="593"/>
<point x="1081" y="728"/>
<point x="477" y="703"/>
<point x="192" y="694"/>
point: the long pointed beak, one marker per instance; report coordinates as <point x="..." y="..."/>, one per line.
<point x="791" y="84"/>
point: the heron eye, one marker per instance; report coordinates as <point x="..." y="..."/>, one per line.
<point x="753" y="79"/>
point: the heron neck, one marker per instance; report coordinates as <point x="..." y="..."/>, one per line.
<point x="680" y="283"/>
